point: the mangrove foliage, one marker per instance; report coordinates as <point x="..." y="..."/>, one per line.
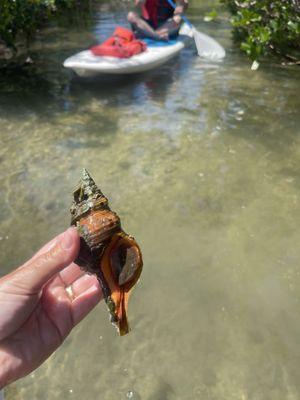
<point x="19" y="19"/>
<point x="265" y="26"/>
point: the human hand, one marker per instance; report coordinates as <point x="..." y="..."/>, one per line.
<point x="177" y="19"/>
<point x="179" y="10"/>
<point x="163" y="33"/>
<point x="40" y="303"/>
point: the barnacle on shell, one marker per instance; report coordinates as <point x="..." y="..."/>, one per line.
<point x="105" y="249"/>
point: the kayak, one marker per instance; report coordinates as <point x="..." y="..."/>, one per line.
<point x="86" y="64"/>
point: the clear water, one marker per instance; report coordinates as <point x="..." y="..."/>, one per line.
<point x="201" y="161"/>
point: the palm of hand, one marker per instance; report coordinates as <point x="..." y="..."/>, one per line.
<point x="38" y="313"/>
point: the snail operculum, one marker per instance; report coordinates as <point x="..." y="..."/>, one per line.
<point x="106" y="249"/>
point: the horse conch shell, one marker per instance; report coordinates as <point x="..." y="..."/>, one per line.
<point x="105" y="249"/>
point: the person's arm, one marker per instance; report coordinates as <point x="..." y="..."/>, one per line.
<point x="182" y="6"/>
<point x="40" y="303"/>
<point x="180" y="9"/>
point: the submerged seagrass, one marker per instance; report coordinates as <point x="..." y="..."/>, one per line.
<point x="105" y="249"/>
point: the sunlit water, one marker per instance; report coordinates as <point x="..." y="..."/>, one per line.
<point x="201" y="161"/>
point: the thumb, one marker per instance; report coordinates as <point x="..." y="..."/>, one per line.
<point x="36" y="272"/>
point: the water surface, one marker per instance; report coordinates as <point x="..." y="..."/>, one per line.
<point x="201" y="161"/>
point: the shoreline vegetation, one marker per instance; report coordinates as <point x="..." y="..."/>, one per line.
<point x="264" y="28"/>
<point x="20" y="20"/>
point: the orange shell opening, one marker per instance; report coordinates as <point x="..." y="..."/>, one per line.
<point x="120" y="293"/>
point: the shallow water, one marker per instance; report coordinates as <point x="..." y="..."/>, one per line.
<point x="201" y="161"/>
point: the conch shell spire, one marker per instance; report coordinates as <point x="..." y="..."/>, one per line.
<point x="88" y="186"/>
<point x="105" y="249"/>
<point x="87" y="196"/>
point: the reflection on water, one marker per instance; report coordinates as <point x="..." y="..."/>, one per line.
<point x="202" y="163"/>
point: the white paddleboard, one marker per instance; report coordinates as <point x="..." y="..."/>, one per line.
<point x="86" y="64"/>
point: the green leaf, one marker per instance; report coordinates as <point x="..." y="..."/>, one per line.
<point x="211" y="16"/>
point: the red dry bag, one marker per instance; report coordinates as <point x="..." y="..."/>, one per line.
<point x="122" y="44"/>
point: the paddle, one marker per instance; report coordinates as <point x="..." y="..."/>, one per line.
<point x="207" y="47"/>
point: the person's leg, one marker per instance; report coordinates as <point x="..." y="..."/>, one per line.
<point x="141" y="27"/>
<point x="169" y="29"/>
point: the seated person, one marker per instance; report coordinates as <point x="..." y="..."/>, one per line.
<point x="156" y="19"/>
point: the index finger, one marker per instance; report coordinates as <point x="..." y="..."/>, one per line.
<point x="31" y="277"/>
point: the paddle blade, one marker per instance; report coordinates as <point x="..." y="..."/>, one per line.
<point x="207" y="47"/>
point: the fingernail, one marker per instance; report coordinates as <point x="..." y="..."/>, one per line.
<point x="67" y="239"/>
